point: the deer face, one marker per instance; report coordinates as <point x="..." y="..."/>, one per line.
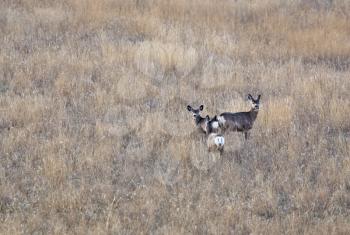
<point x="195" y="112"/>
<point x="255" y="102"/>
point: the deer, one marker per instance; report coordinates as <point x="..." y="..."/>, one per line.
<point x="241" y="121"/>
<point x="198" y="119"/>
<point x="215" y="140"/>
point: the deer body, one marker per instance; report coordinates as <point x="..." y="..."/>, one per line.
<point x="215" y="140"/>
<point x="237" y="121"/>
<point x="241" y="121"/>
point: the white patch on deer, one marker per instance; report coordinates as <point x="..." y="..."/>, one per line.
<point x="221" y="120"/>
<point x="219" y="141"/>
<point x="215" y="125"/>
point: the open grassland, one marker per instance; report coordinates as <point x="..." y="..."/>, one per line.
<point x="95" y="137"/>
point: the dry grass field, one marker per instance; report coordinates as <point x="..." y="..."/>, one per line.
<point x="95" y="137"/>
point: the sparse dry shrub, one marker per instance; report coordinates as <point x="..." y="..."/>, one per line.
<point x="158" y="61"/>
<point x="64" y="85"/>
<point x="21" y="83"/>
<point x="54" y="169"/>
<point x="310" y="42"/>
<point x="122" y="53"/>
<point x="89" y="12"/>
<point x="278" y="115"/>
<point x="263" y="209"/>
<point x="218" y="73"/>
<point x="26" y="112"/>
<point x="200" y="158"/>
<point x="338" y="108"/>
<point x="95" y="137"/>
<point x="150" y="123"/>
<point x="115" y="121"/>
<point x="132" y="88"/>
<point x="220" y="104"/>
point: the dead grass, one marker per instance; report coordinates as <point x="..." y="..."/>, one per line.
<point x="95" y="137"/>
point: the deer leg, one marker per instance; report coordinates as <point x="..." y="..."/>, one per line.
<point x="246" y="135"/>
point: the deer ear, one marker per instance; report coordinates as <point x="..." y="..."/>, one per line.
<point x="250" y="97"/>
<point x="189" y="108"/>
<point x="259" y="97"/>
<point x="201" y="108"/>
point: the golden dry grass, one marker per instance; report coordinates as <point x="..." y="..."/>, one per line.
<point x="95" y="137"/>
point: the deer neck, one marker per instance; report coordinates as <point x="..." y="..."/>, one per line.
<point x="198" y="120"/>
<point x="253" y="114"/>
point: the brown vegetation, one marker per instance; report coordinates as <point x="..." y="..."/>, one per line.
<point x="95" y="136"/>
